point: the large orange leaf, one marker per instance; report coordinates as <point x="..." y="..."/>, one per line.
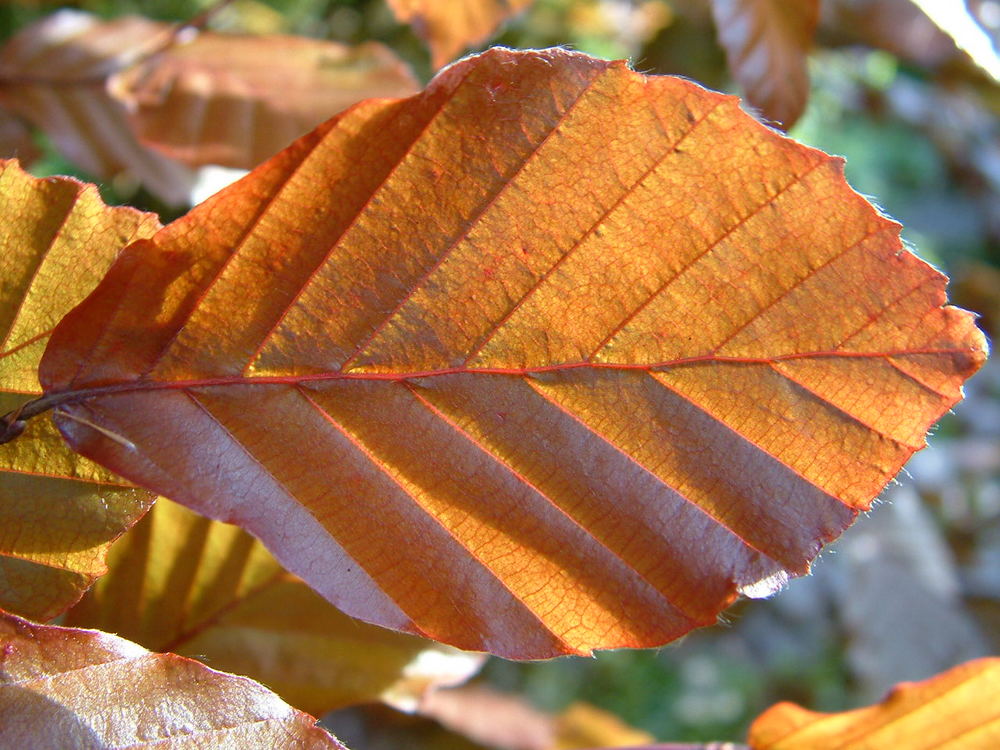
<point x="766" y="43"/>
<point x="450" y="26"/>
<point x="58" y="511"/>
<point x="958" y="709"/>
<point x="235" y="100"/>
<point x="180" y="582"/>
<point x="551" y="357"/>
<point x="53" y="74"/>
<point x="63" y="687"/>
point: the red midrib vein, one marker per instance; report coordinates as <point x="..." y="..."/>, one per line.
<point x="58" y="398"/>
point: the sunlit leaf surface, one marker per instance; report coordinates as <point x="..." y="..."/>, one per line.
<point x="552" y="357"/>
<point x="180" y="582"/>
<point x="63" y="687"/>
<point x="956" y="710"/>
<point x="58" y="511"/>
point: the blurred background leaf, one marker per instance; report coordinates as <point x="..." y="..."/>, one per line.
<point x="185" y="584"/>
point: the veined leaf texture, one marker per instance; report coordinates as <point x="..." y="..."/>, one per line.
<point x="181" y="583"/>
<point x="551" y="357"/>
<point x="64" y="687"/>
<point x="59" y="512"/>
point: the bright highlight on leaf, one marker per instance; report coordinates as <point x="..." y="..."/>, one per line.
<point x="182" y="583"/>
<point x="58" y="511"/>
<point x="955" y="710"/>
<point x="552" y="357"/>
<point x="62" y="687"/>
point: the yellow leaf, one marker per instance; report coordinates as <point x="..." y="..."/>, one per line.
<point x="180" y="582"/>
<point x="58" y="511"/>
<point x="955" y="710"/>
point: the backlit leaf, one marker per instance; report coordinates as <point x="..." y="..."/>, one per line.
<point x="53" y="74"/>
<point x="956" y="710"/>
<point x="552" y="357"/>
<point x="63" y="687"/>
<point x="180" y="582"/>
<point x="58" y="511"/>
<point x="766" y="43"/>
<point x="451" y="26"/>
<point x="236" y="100"/>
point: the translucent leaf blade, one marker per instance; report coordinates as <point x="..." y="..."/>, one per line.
<point x="583" y="353"/>
<point x="955" y="709"/>
<point x="183" y="583"/>
<point x="59" y="512"/>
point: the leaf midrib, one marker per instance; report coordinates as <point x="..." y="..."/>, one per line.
<point x="55" y="399"/>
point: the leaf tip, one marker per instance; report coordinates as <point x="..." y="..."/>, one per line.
<point x="764" y="587"/>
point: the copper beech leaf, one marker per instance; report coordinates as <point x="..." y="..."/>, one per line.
<point x="235" y="100"/>
<point x="64" y="687"/>
<point x="451" y="26"/>
<point x="180" y="582"/>
<point x="551" y="357"/>
<point x="58" y="511"/>
<point x="766" y="43"/>
<point x="955" y="710"/>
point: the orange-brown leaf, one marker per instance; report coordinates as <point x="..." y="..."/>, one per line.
<point x="450" y="26"/>
<point x="552" y="357"/>
<point x="235" y="100"/>
<point x="63" y="687"/>
<point x="53" y="74"/>
<point x="766" y="43"/>
<point x="58" y="511"/>
<point x="180" y="582"/>
<point x="958" y="710"/>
